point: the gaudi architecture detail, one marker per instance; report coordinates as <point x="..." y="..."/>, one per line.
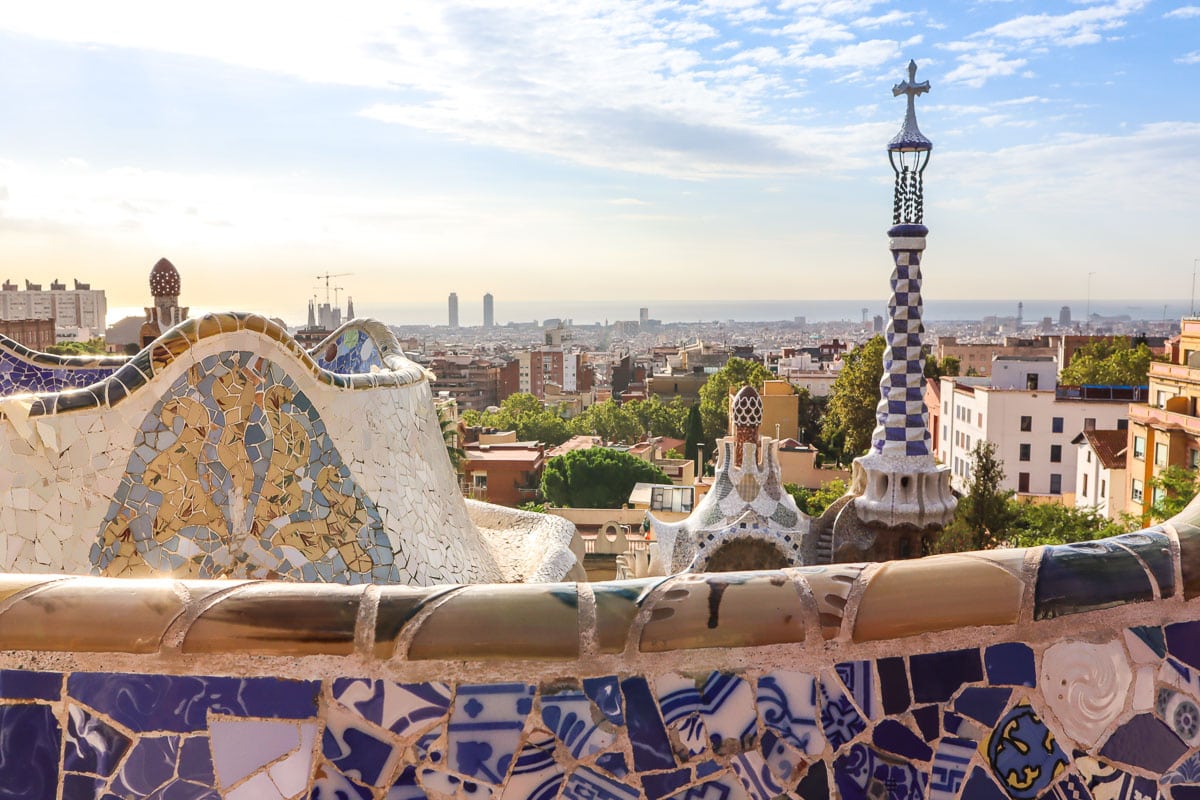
<point x="897" y="484"/>
<point x="747" y="520"/>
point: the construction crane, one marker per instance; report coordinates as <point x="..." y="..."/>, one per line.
<point x="329" y="275"/>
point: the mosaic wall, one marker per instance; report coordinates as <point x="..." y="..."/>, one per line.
<point x="349" y="350"/>
<point x="233" y="474"/>
<point x="25" y="370"/>
<point x="1073" y="673"/>
<point x="224" y="449"/>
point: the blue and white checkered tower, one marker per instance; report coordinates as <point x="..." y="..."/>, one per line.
<point x="897" y="482"/>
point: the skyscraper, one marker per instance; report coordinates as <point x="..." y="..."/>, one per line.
<point x="453" y="309"/>
<point x="489" y="311"/>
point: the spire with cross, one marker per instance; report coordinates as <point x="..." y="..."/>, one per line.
<point x="909" y="153"/>
<point x="898" y="481"/>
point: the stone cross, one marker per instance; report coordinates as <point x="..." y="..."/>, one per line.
<point x="911" y="88"/>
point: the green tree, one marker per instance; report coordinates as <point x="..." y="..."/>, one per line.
<point x="1050" y="523"/>
<point x="714" y="394"/>
<point x="525" y="414"/>
<point x="811" y="410"/>
<point x="609" y="421"/>
<point x="693" y="434"/>
<point x="1108" y="362"/>
<point x="850" y="413"/>
<point x="90" y="347"/>
<point x="985" y="512"/>
<point x="1176" y="486"/>
<point x="932" y="368"/>
<point x="597" y="477"/>
<point x="814" y="501"/>
<point x="659" y="418"/>
<point x="950" y="366"/>
<point x="450" y="437"/>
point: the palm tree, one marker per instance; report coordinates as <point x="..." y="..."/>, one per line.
<point x="450" y="437"/>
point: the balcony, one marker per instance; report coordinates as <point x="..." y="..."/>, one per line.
<point x="1161" y="418"/>
<point x="1126" y="394"/>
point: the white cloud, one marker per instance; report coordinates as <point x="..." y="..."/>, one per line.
<point x="1189" y="58"/>
<point x="1183" y="12"/>
<point x="975" y="68"/>
<point x="1070" y="29"/>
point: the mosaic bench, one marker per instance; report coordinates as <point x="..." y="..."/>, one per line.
<point x="1058" y="672"/>
<point x="223" y="449"/>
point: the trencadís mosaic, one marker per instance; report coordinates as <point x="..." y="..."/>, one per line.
<point x="1113" y="720"/>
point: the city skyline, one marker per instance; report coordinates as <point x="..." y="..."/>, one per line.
<point x="647" y="150"/>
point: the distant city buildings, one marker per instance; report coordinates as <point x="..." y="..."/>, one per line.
<point x="453" y="303"/>
<point x="1032" y="421"/>
<point x="76" y="313"/>
<point x="489" y="311"/>
<point x="1165" y="431"/>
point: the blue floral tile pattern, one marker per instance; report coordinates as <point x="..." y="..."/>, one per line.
<point x="485" y="728"/>
<point x="686" y="735"/>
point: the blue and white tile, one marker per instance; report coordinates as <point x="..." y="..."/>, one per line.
<point x="93" y="745"/>
<point x="1107" y="782"/>
<point x="787" y="703"/>
<point x="840" y="720"/>
<point x="29" y="751"/>
<point x="723" y="787"/>
<point x="728" y="712"/>
<point x="756" y="776"/>
<point x="150" y="765"/>
<point x="576" y="723"/>
<point x="536" y="774"/>
<point x="859" y="680"/>
<point x="241" y="747"/>
<point x="485" y="728"/>
<point x="587" y="784"/>
<point x="446" y="784"/>
<point x="358" y="749"/>
<point x="403" y="708"/>
<point x="329" y="784"/>
<point x="951" y="765"/>
<point x="782" y="759"/>
<point x="681" y="705"/>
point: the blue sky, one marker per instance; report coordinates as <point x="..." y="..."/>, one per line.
<point x="656" y="149"/>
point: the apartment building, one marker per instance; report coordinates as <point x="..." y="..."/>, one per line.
<point x="1030" y="419"/>
<point x="1164" y="430"/>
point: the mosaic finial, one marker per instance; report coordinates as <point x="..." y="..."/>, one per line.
<point x="910" y="136"/>
<point x="909" y="153"/>
<point x="746" y="412"/>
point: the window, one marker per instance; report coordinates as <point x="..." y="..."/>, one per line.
<point x="1055" y="483"/>
<point x="1193" y="458"/>
<point x="1161" y="398"/>
<point x="1139" y="447"/>
<point x="979" y="420"/>
<point x="1083" y="488"/>
<point x="480" y="480"/>
<point x="1157" y="495"/>
<point x="1123" y="424"/>
<point x="946" y="407"/>
<point x="1089" y="423"/>
<point x="1026" y="423"/>
<point x="1160" y="454"/>
<point x="1089" y="455"/>
<point x="1056" y="424"/>
<point x="1023" y="482"/>
<point x="1055" y="453"/>
<point x="1024" y="452"/>
<point x="1136" y="490"/>
<point x="1031" y="381"/>
<point x="1103" y="488"/>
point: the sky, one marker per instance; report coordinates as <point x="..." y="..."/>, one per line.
<point x="683" y="150"/>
